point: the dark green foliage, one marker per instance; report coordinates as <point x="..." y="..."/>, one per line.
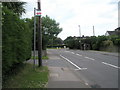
<point x="115" y="39"/>
<point x="99" y="41"/>
<point x="16" y="37"/>
<point x="94" y="42"/>
<point x="55" y="42"/>
<point x="50" y="30"/>
<point x="72" y="42"/>
<point x="16" y="7"/>
<point x="58" y="41"/>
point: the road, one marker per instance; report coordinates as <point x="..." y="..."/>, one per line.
<point x="96" y="69"/>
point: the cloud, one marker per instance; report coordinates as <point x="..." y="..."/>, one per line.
<point x="103" y="14"/>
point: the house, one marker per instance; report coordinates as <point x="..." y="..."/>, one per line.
<point x="109" y="33"/>
<point x="115" y="32"/>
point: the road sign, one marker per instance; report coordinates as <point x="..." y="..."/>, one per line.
<point x="38" y="13"/>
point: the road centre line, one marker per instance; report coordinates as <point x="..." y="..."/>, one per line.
<point x="78" y="54"/>
<point x="78" y="68"/>
<point x="111" y="65"/>
<point x="81" y="55"/>
<point x="70" y="52"/>
<point x="67" y="51"/>
<point x="90" y="58"/>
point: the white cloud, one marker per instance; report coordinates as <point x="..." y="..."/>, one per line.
<point x="102" y="14"/>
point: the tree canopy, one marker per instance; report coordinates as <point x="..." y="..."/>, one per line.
<point x="50" y="29"/>
<point x="16" y="7"/>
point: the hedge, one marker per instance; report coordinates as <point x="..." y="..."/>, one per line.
<point x="16" y="38"/>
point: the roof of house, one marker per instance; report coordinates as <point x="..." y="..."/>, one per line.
<point x="111" y="32"/>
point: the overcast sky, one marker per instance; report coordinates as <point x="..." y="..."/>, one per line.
<point x="103" y="14"/>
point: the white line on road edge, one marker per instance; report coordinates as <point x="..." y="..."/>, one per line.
<point x="90" y="58"/>
<point x="111" y="65"/>
<point x="78" y="54"/>
<point x="73" y="63"/>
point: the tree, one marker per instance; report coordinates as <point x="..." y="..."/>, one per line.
<point x="58" y="41"/>
<point x="72" y="42"/>
<point x="50" y="29"/>
<point x="16" y="7"/>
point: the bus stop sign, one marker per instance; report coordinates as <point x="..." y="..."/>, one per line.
<point x="38" y="13"/>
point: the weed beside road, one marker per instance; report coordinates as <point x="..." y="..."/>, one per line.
<point x="28" y="77"/>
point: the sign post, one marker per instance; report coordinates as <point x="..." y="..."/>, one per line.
<point x="34" y="36"/>
<point x="39" y="35"/>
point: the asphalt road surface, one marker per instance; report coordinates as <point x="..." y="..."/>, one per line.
<point x="96" y="69"/>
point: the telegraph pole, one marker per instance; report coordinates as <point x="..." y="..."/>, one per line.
<point x="39" y="37"/>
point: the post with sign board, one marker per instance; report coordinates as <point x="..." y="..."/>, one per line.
<point x="39" y="34"/>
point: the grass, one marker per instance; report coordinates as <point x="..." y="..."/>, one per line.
<point x="28" y="78"/>
<point x="43" y="57"/>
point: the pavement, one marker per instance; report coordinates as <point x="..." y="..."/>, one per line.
<point x="62" y="76"/>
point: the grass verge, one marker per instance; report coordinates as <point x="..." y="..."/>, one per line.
<point x="43" y="57"/>
<point x="28" y="78"/>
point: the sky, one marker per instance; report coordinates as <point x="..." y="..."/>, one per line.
<point x="102" y="14"/>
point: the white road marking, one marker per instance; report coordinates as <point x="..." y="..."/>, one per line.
<point x="90" y="58"/>
<point x="78" y="68"/>
<point x="86" y="84"/>
<point x="78" y="54"/>
<point x="72" y="52"/>
<point x="67" y="51"/>
<point x="111" y="65"/>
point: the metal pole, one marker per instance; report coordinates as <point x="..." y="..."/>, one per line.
<point x="34" y="35"/>
<point x="79" y="30"/>
<point x="93" y="31"/>
<point x="80" y="37"/>
<point x="39" y="37"/>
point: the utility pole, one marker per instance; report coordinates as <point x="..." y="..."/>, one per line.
<point x="39" y="37"/>
<point x="34" y="35"/>
<point x="93" y="31"/>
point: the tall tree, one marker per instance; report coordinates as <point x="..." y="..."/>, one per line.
<point x="16" y="7"/>
<point x="50" y="30"/>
